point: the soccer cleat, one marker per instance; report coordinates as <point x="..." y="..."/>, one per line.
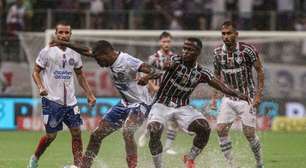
<point x="33" y="163"/>
<point x="189" y="163"/>
<point x="171" y="152"/>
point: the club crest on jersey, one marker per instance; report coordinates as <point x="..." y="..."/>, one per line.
<point x="71" y="61"/>
<point x="238" y="59"/>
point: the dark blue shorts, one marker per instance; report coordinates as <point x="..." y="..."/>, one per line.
<point x="55" y="114"/>
<point x="117" y="115"/>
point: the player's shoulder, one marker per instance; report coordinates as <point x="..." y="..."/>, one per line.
<point x="125" y="56"/>
<point x="44" y="50"/>
<point x="247" y="47"/>
<point x="205" y="71"/>
<point x="218" y="50"/>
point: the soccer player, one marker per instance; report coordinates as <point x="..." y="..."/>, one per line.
<point x="134" y="105"/>
<point x="159" y="60"/>
<point x="56" y="87"/>
<point x="172" y="101"/>
<point x="233" y="64"/>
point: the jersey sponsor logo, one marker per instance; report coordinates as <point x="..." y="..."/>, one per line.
<point x="64" y="74"/>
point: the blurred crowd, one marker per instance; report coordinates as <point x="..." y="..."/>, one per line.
<point x="37" y="15"/>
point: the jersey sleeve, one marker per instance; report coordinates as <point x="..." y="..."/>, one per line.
<point x="206" y="75"/>
<point x="78" y="62"/>
<point x="42" y="58"/>
<point x="251" y="55"/>
<point x="134" y="63"/>
<point x="152" y="60"/>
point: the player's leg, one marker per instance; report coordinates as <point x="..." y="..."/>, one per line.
<point x="248" y="119"/>
<point x="52" y="119"/>
<point x="135" y="119"/>
<point x="202" y="132"/>
<point x="144" y="134"/>
<point x="224" y="123"/>
<point x="111" y="122"/>
<point x="43" y="144"/>
<point x="73" y="120"/>
<point x="157" y="117"/>
<point x="171" y="134"/>
<point x="77" y="145"/>
<point x="191" y="120"/>
<point x="156" y="148"/>
<point x="254" y="143"/>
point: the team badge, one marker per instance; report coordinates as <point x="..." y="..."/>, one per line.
<point x="71" y="61"/>
<point x="238" y="60"/>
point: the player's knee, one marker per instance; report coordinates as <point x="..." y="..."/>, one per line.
<point x="129" y="130"/>
<point x="75" y="132"/>
<point x="51" y="137"/>
<point x="222" y="130"/>
<point x="203" y="128"/>
<point x="155" y="127"/>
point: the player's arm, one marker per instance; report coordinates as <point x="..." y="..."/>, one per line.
<point x="153" y="88"/>
<point x="217" y="84"/>
<point x="260" y="79"/>
<point x="83" y="50"/>
<point x="85" y="86"/>
<point x="38" y="81"/>
<point x="217" y="75"/>
<point x="150" y="73"/>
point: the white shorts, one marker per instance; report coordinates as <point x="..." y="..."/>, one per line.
<point x="184" y="115"/>
<point x="231" y="109"/>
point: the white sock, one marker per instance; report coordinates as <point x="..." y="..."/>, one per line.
<point x="226" y="148"/>
<point x="157" y="160"/>
<point x="171" y="134"/>
<point x="256" y="148"/>
<point x="194" y="152"/>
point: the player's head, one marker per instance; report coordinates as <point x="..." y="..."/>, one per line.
<point x="165" y="39"/>
<point x="63" y="31"/>
<point x="103" y="52"/>
<point x="229" y="33"/>
<point x="191" y="49"/>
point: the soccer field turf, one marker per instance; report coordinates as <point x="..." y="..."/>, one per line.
<point x="281" y="150"/>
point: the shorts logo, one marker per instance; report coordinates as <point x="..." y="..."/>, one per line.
<point x="53" y="123"/>
<point x="71" y="61"/>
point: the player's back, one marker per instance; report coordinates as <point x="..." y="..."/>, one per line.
<point x="123" y="72"/>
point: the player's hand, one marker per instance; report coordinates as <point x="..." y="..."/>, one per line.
<point x="43" y="92"/>
<point x="143" y="80"/>
<point x="244" y="97"/>
<point x="91" y="100"/>
<point x="256" y="102"/>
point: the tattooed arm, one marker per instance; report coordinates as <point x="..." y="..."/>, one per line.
<point x="260" y="79"/>
<point x="83" y="50"/>
<point x="217" y="84"/>
<point x="151" y="73"/>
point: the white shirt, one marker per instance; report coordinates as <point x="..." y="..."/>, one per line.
<point x="123" y="72"/>
<point x="57" y="74"/>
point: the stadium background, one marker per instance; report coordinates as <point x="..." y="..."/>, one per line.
<point x="282" y="109"/>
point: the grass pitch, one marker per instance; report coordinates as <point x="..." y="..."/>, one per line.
<point x="281" y="150"/>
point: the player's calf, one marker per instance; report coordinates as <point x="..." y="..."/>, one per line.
<point x="129" y="130"/>
<point x="202" y="132"/>
<point x="155" y="145"/>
